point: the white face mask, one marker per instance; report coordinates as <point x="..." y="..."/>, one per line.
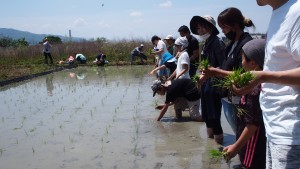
<point x="204" y="37"/>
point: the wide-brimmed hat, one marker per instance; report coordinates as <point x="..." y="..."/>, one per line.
<point x="155" y="86"/>
<point x="202" y="19"/>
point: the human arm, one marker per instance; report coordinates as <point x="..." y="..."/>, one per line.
<point x="156" y="69"/>
<point x="158" y="52"/>
<point x="172" y="75"/>
<point x="288" y="77"/>
<point x="247" y="133"/>
<point x="215" y="72"/>
<point x="185" y="68"/>
<point x="163" y="111"/>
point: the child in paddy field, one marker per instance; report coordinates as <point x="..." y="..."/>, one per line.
<point x="251" y="140"/>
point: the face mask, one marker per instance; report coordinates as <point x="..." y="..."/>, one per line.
<point x="204" y="37"/>
<point x="230" y="35"/>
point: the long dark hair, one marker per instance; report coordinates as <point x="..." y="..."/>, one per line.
<point x="232" y="16"/>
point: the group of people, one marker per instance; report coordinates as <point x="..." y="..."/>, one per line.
<point x="78" y="57"/>
<point x="268" y="134"/>
<point x="81" y="59"/>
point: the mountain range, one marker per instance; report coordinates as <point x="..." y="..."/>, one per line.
<point x="31" y="38"/>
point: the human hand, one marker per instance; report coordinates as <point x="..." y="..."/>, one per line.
<point x="231" y="151"/>
<point x="202" y="79"/>
<point x="251" y="85"/>
<point x="210" y="71"/>
<point x="159" y="107"/>
<point x="151" y="73"/>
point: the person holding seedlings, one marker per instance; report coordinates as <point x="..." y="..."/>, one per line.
<point x="214" y="52"/>
<point x="138" y="51"/>
<point x="280" y="94"/>
<point x="251" y="140"/>
<point x="80" y="58"/>
<point x="47" y="51"/>
<point x="192" y="49"/>
<point x="160" y="50"/>
<point x="232" y="22"/>
<point x="183" y="64"/>
<point x="180" y="88"/>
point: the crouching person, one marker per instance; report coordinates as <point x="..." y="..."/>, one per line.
<point x="181" y="92"/>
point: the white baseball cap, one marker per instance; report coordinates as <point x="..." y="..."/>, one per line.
<point x="169" y="37"/>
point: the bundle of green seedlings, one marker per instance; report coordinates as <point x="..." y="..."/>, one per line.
<point x="239" y="78"/>
<point x="196" y="78"/>
<point x="151" y="51"/>
<point x="204" y="64"/>
<point x="218" y="154"/>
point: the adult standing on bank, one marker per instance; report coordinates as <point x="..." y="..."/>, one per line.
<point x="192" y="49"/>
<point x="47" y="51"/>
<point x="280" y="95"/>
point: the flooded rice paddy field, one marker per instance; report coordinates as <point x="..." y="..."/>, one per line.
<point x="104" y="117"/>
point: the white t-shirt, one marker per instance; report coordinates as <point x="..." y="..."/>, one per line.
<point x="281" y="104"/>
<point x="161" y="45"/>
<point x="47" y="47"/>
<point x="183" y="59"/>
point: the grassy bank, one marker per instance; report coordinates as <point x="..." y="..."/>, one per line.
<point x="17" y="62"/>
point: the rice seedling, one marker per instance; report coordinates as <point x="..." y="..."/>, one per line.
<point x="52" y="133"/>
<point x="239" y="79"/>
<point x="71" y="140"/>
<point x="217" y="154"/>
<point x="26" y="132"/>
<point x="1" y="151"/>
<point x="204" y="64"/>
<point x="33" y="151"/>
<point x="32" y="130"/>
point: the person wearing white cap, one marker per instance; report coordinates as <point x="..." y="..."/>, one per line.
<point x="161" y="50"/>
<point x="138" y="51"/>
<point x="170" y="44"/>
<point x="213" y="50"/>
<point x="192" y="49"/>
<point x="183" y="63"/>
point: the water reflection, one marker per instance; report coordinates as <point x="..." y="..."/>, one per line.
<point x="49" y="84"/>
<point x="93" y="123"/>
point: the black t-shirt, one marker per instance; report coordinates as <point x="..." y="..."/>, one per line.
<point x="193" y="45"/>
<point x="233" y="60"/>
<point x="182" y="88"/>
<point x="257" y="144"/>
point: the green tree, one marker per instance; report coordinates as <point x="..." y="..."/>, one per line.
<point x="53" y="39"/>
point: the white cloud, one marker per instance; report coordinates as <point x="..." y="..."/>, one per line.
<point x="166" y="4"/>
<point x="135" y="14"/>
<point x="80" y="22"/>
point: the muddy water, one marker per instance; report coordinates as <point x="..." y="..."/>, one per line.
<point x="98" y="118"/>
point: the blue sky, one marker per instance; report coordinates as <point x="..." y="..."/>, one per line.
<point x="118" y="19"/>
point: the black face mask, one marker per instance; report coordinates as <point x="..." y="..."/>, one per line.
<point x="230" y="35"/>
